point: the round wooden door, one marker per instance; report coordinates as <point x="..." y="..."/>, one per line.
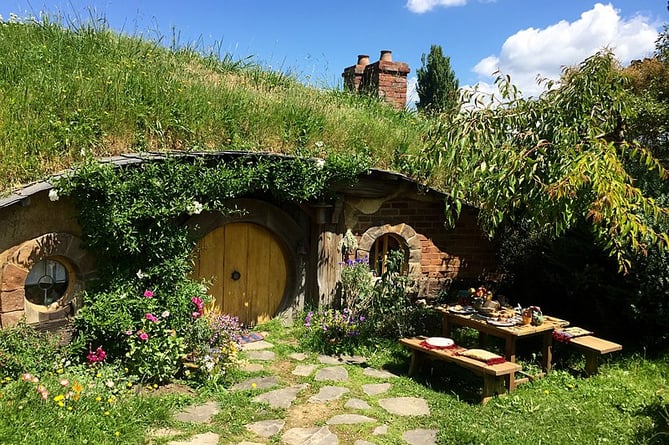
<point x="246" y="267"/>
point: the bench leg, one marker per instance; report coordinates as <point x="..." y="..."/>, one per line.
<point x="591" y="362"/>
<point x="493" y="386"/>
<point x="417" y="359"/>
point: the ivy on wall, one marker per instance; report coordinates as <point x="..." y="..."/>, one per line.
<point x="132" y="220"/>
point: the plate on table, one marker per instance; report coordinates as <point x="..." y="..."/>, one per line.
<point x="439" y="342"/>
<point x="457" y="309"/>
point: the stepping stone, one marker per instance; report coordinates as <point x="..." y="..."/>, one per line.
<point x="363" y="442"/>
<point x="266" y="428"/>
<point x="420" y="437"/>
<point x="406" y="406"/>
<point x="198" y="439"/>
<point x="265" y="356"/>
<point x="332" y="373"/>
<point x="350" y="359"/>
<point x="380" y="430"/>
<point x="256" y="346"/>
<point x="250" y="443"/>
<point x="357" y="404"/>
<point x="252" y="367"/>
<point x="349" y="419"/>
<point x="328" y="393"/>
<point x="310" y="436"/>
<point x="329" y="360"/>
<point x="299" y="356"/>
<point x="304" y="370"/>
<point x="378" y="373"/>
<point x="353" y="359"/>
<point x="256" y="383"/>
<point x="374" y="389"/>
<point x="281" y="398"/>
<point x="198" y="413"/>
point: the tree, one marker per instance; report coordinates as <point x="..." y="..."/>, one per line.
<point x="437" y="85"/>
<point x="555" y="161"/>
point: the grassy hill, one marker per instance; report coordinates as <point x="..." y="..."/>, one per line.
<point x="70" y="93"/>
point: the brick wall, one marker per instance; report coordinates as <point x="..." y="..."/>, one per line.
<point x="462" y="253"/>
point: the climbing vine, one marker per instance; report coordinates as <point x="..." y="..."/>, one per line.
<point x="133" y="220"/>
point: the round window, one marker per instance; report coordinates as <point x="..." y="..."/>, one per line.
<point x="47" y="282"/>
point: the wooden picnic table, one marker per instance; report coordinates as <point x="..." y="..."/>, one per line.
<point x="510" y="334"/>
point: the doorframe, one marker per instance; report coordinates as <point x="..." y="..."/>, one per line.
<point x="290" y="235"/>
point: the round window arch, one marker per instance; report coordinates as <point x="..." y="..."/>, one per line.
<point x="47" y="281"/>
<point x="404" y="234"/>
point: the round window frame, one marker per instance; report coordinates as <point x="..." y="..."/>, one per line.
<point x="61" y="301"/>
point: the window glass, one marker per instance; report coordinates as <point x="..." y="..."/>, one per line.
<point x="46" y="282"/>
<point x="379" y="253"/>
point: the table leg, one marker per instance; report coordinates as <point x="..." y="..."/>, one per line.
<point x="547" y="359"/>
<point x="445" y="326"/>
<point x="510" y="353"/>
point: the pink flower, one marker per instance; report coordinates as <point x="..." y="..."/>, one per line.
<point x="96" y="356"/>
<point x="27" y="377"/>
<point x="64" y="382"/>
<point x="128" y="332"/>
<point x="197" y="301"/>
<point x="197" y="314"/>
<point x="148" y="294"/>
<point x="143" y="335"/>
<point x="151" y="317"/>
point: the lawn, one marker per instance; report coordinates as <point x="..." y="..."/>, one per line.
<point x="626" y="403"/>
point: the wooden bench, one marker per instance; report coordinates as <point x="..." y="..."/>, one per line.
<point x="496" y="378"/>
<point x="594" y="347"/>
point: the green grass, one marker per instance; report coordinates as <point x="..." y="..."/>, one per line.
<point x="625" y="404"/>
<point x="69" y="93"/>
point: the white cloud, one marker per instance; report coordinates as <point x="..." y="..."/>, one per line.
<point x="544" y="52"/>
<point x="421" y="6"/>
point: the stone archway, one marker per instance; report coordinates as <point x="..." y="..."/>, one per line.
<point x="405" y="232"/>
<point x="16" y="265"/>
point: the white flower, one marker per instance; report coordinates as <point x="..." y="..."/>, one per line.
<point x="320" y="164"/>
<point x="53" y="195"/>
<point x="194" y="208"/>
<point x="140" y="274"/>
<point x="165" y="314"/>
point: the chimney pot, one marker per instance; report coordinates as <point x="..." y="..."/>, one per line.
<point x="363" y="59"/>
<point x="386" y="55"/>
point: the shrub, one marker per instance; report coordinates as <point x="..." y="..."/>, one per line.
<point x="24" y="349"/>
<point x="333" y="331"/>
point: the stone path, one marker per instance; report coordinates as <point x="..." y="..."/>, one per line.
<point x="278" y="395"/>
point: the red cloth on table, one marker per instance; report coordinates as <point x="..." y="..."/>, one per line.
<point x="426" y="345"/>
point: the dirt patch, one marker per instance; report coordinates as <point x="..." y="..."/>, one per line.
<point x="305" y="415"/>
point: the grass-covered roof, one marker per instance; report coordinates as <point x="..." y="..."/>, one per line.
<point x="67" y="94"/>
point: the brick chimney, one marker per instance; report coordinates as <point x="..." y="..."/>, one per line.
<point x="383" y="78"/>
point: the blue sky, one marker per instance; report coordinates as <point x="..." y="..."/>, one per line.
<point x="318" y="39"/>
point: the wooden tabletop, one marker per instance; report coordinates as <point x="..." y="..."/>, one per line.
<point x="471" y="320"/>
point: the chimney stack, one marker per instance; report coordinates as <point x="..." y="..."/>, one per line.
<point x="383" y="78"/>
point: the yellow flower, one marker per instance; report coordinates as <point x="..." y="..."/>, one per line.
<point x="546" y="391"/>
<point x="253" y="385"/>
<point x="61" y="404"/>
<point x="98" y="398"/>
<point x="69" y="408"/>
<point x="98" y="375"/>
<point x="59" y="398"/>
<point x="116" y="433"/>
<point x="106" y="413"/>
<point x="155" y="385"/>
<point x="129" y="384"/>
<point x="60" y="371"/>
